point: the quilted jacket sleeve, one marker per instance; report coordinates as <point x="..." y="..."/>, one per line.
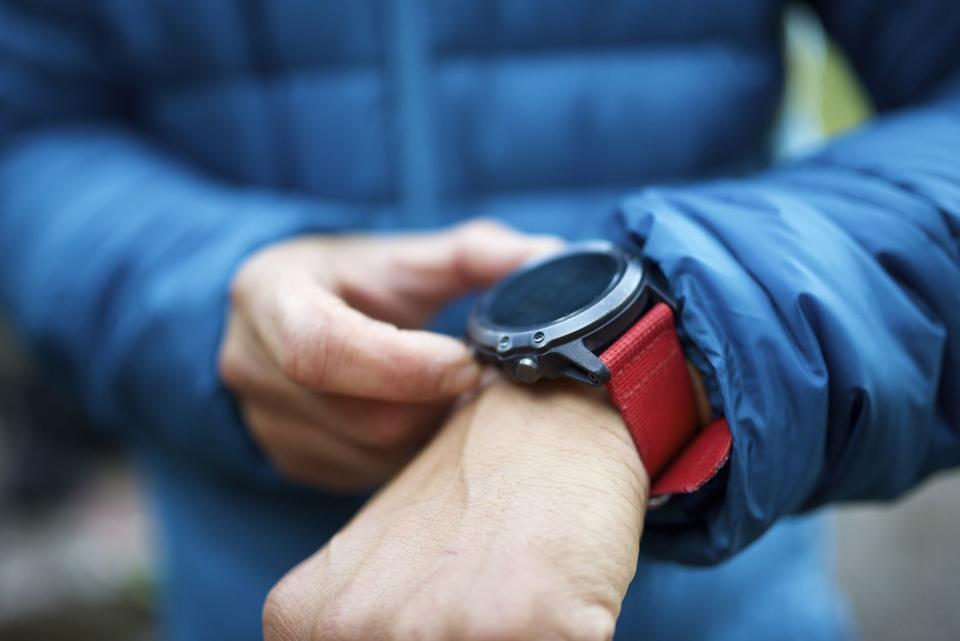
<point x="823" y="297"/>
<point x="114" y="257"/>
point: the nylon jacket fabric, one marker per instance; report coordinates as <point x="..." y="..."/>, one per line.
<point x="148" y="146"/>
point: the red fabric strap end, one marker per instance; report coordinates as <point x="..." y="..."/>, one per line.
<point x="650" y="385"/>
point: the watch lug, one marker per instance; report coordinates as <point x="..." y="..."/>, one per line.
<point x="657" y="283"/>
<point x="582" y="364"/>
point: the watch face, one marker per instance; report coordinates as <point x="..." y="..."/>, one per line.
<point x="553" y="290"/>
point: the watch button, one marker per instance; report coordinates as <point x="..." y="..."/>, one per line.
<point x="526" y="370"/>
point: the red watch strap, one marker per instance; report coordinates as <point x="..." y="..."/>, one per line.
<point x="650" y="385"/>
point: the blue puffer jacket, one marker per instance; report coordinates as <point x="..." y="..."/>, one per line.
<point x="148" y="146"/>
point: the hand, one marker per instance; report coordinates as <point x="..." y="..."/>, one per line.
<point x="520" y="521"/>
<point x="333" y="383"/>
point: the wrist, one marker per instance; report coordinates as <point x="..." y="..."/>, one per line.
<point x="558" y="432"/>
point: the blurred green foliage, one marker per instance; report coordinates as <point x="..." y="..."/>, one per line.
<point x="843" y="102"/>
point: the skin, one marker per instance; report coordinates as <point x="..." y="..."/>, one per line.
<point x="322" y="351"/>
<point x="520" y="521"/>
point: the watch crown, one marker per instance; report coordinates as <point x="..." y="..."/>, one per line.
<point x="526" y="370"/>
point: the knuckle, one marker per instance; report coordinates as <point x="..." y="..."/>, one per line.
<point x="304" y="349"/>
<point x="246" y="283"/>
<point x="510" y="623"/>
<point x="592" y="624"/>
<point x="595" y="624"/>
<point x="291" y="342"/>
<point x="237" y="291"/>
<point x="230" y="365"/>
<point x="500" y="632"/>
<point x="350" y="619"/>
<point x="281" y="618"/>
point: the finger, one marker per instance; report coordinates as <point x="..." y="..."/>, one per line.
<point x="304" y="454"/>
<point x="407" y="278"/>
<point x="364" y="422"/>
<point x="385" y="424"/>
<point x="484" y="251"/>
<point x="326" y="346"/>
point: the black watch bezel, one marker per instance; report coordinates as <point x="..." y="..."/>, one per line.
<point x="567" y="347"/>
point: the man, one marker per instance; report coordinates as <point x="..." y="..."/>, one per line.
<point x="158" y="155"/>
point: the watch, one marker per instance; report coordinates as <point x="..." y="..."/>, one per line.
<point x="599" y="315"/>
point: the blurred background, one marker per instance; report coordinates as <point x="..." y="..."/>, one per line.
<point x="75" y="542"/>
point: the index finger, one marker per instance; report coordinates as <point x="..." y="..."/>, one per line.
<point x="325" y="345"/>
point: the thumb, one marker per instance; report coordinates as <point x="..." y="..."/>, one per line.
<point x="409" y="277"/>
